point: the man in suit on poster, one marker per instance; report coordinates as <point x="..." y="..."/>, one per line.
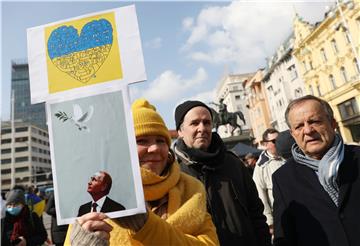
<point x="99" y="187"/>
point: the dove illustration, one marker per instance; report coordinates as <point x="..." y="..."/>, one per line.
<point x="79" y="118"/>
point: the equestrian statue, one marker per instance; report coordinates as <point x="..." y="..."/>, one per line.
<point x="223" y="117"/>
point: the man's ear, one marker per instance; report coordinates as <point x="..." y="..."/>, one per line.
<point x="334" y="124"/>
<point x="180" y="133"/>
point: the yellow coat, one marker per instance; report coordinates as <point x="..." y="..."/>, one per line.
<point x="188" y="222"/>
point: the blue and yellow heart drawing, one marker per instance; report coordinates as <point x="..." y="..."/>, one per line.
<point x="82" y="52"/>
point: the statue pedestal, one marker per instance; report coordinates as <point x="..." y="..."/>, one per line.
<point x="244" y="138"/>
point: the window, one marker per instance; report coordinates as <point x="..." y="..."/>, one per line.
<point x="21" y="129"/>
<point x="5" y="141"/>
<point x="5" y="171"/>
<point x="343" y="74"/>
<point x="34" y="158"/>
<point x="304" y="65"/>
<point x="356" y="66"/>
<point x="21" y="139"/>
<point x="21" y="159"/>
<point x="237" y="97"/>
<point x="5" y="131"/>
<point x="293" y="72"/>
<point x="21" y="149"/>
<point x="334" y="46"/>
<point x="323" y="55"/>
<point x="348" y="109"/>
<point x="6" y="161"/>
<point x="22" y="169"/>
<point x="346" y="36"/>
<point x="332" y="81"/>
<point x="311" y="90"/>
<point x="5" y="151"/>
<point x="235" y="88"/>
<point x="318" y="90"/>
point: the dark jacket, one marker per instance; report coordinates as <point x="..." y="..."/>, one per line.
<point x="232" y="197"/>
<point x="37" y="234"/>
<point x="304" y="213"/>
<point x="108" y="206"/>
<point x="58" y="233"/>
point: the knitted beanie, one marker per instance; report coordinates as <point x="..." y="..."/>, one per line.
<point x="15" y="196"/>
<point x="147" y="121"/>
<point x="182" y="109"/>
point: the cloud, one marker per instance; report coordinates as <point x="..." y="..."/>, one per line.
<point x="187" y="23"/>
<point x="171" y="86"/>
<point x="244" y="33"/>
<point x="155" y="43"/>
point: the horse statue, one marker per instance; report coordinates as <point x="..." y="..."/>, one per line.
<point x="224" y="117"/>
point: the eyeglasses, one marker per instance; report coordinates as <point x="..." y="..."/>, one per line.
<point x="271" y="140"/>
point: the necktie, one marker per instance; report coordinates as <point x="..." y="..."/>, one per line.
<point x="94" y="205"/>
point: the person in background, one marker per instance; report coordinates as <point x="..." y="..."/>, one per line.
<point x="34" y="202"/>
<point x="176" y="202"/>
<point x="316" y="192"/>
<point x="263" y="173"/>
<point x="232" y="199"/>
<point x="250" y="160"/>
<point x="58" y="232"/>
<point x="21" y="227"/>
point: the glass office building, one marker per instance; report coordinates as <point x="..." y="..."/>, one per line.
<point x="24" y="110"/>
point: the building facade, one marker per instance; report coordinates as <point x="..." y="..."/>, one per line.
<point x="231" y="89"/>
<point x="31" y="155"/>
<point x="328" y="53"/>
<point x="257" y="103"/>
<point x="282" y="83"/>
<point x="23" y="109"/>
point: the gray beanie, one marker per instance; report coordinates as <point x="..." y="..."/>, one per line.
<point x="15" y="196"/>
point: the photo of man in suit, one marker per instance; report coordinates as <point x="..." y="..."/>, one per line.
<point x="99" y="187"/>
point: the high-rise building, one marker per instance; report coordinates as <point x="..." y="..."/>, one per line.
<point x="23" y="109"/>
<point x="31" y="155"/>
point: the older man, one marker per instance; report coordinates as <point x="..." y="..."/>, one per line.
<point x="317" y="192"/>
<point x="99" y="187"/>
<point x="232" y="198"/>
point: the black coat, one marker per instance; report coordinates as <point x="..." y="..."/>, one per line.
<point x="304" y="213"/>
<point x="58" y="233"/>
<point x="108" y="206"/>
<point x="37" y="233"/>
<point x="233" y="201"/>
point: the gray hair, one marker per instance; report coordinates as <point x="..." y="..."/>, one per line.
<point x="325" y="105"/>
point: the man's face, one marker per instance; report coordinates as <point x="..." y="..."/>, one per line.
<point x="196" y="128"/>
<point x="270" y="143"/>
<point x="311" y="128"/>
<point x="97" y="184"/>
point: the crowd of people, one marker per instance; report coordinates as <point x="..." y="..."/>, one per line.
<point x="301" y="190"/>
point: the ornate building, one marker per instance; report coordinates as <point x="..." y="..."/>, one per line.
<point x="328" y="53"/>
<point x="257" y="103"/>
<point x="282" y="82"/>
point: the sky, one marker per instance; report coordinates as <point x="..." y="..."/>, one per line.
<point x="188" y="46"/>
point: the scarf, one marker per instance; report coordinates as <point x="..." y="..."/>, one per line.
<point x="209" y="159"/>
<point x="327" y="168"/>
<point x="20" y="224"/>
<point x="156" y="187"/>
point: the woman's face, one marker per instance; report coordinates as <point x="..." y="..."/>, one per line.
<point x="153" y="152"/>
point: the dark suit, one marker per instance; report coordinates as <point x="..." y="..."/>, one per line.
<point x="304" y="213"/>
<point x="108" y="206"/>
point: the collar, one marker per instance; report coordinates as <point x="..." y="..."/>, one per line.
<point x="99" y="203"/>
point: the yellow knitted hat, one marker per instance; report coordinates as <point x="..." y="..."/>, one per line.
<point x="147" y="121"/>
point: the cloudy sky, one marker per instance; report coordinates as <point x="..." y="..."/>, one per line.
<point x="188" y="46"/>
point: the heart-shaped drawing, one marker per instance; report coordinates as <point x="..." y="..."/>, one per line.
<point x="81" y="56"/>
